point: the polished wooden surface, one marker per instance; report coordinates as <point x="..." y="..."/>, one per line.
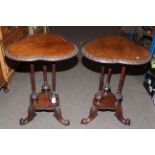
<point x="41" y="45"/>
<point x="116" y="48"/>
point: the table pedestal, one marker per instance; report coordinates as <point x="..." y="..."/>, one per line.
<point x="104" y="99"/>
<point x="46" y="100"/>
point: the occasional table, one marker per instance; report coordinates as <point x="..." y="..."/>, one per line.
<point x="43" y="47"/>
<point x="112" y="50"/>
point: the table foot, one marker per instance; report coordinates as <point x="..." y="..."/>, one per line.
<point x="30" y="117"/>
<point x="119" y="116"/>
<point x="58" y="116"/>
<point x="92" y="115"/>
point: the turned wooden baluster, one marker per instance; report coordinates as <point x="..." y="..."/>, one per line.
<point x="121" y="81"/>
<point x="109" y="75"/>
<point x="107" y="85"/>
<point x="119" y="98"/>
<point x="45" y="86"/>
<point x="53" y="77"/>
<point x="45" y="74"/>
<point x="34" y="95"/>
<point x="101" y="83"/>
<point x="32" y="78"/>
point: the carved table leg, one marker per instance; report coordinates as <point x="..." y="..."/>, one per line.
<point x="58" y="116"/>
<point x="92" y="114"/>
<point x="119" y="98"/>
<point x="119" y="115"/>
<point x="98" y="96"/>
<point x="33" y="99"/>
<point x="55" y="99"/>
<point x="31" y="115"/>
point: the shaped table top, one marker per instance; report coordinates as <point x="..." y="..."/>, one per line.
<point x="116" y="49"/>
<point x="46" y="47"/>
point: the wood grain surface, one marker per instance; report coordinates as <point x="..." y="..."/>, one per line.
<point x="116" y="48"/>
<point x="41" y="45"/>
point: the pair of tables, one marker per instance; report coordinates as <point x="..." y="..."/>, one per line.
<point x="103" y="49"/>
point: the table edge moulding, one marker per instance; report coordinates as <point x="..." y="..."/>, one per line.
<point x="42" y="57"/>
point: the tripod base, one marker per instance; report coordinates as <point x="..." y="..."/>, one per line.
<point x="44" y="103"/>
<point x="106" y="102"/>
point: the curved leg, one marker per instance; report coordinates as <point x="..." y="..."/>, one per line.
<point x="119" y="115"/>
<point x="31" y="115"/>
<point x="58" y="116"/>
<point x="92" y="115"/>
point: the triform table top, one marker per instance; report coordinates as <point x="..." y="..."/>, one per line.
<point x="116" y="49"/>
<point x="49" y="47"/>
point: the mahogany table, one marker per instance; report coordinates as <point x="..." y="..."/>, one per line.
<point x="112" y="50"/>
<point x="49" y="47"/>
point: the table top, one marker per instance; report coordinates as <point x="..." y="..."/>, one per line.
<point x="116" y="49"/>
<point x="46" y="47"/>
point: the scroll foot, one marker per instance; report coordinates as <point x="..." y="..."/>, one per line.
<point x="92" y="115"/>
<point x="31" y="115"/>
<point x="58" y="116"/>
<point x="119" y="115"/>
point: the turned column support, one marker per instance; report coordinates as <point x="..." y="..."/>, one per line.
<point x="119" y="96"/>
<point x="107" y="86"/>
<point x="53" y="77"/>
<point x="101" y="83"/>
<point x="100" y="92"/>
<point x="45" y="86"/>
<point x="33" y="96"/>
<point x="54" y="96"/>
